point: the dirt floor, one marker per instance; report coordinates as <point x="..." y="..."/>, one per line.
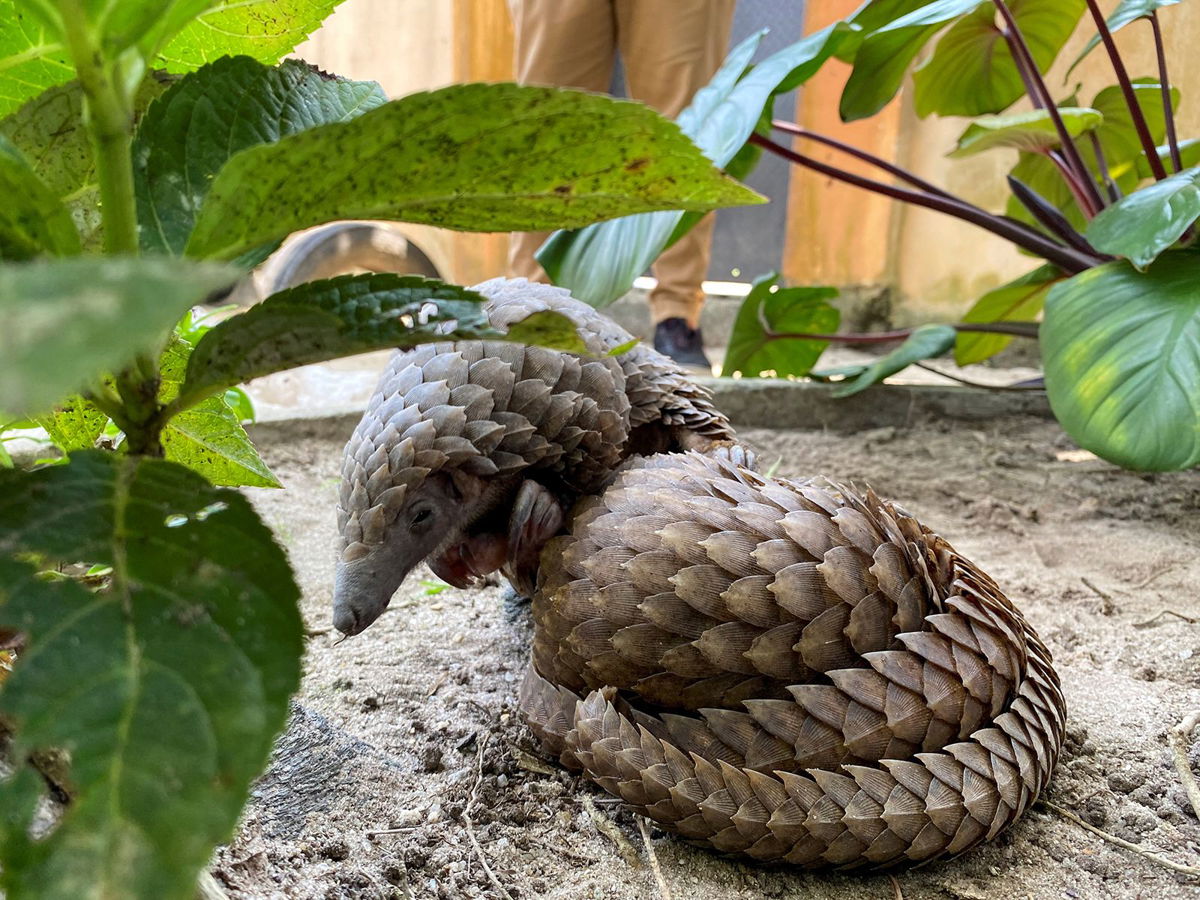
<point x="412" y="726"/>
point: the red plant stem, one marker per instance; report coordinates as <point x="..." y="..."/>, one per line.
<point x="890" y="168"/>
<point x="1114" y="190"/>
<point x="1013" y="329"/>
<point x="1135" y="111"/>
<point x="1165" y="83"/>
<point x="1076" y="172"/>
<point x="1064" y="168"/>
<point x="1065" y="258"/>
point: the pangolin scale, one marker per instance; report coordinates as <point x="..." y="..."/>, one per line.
<point x="786" y="670"/>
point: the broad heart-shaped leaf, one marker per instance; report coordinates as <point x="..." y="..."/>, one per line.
<point x="167" y="688"/>
<point x="32" y="220"/>
<point x="883" y="59"/>
<point x="66" y="322"/>
<point x="74" y="424"/>
<point x="789" y="310"/>
<point x="1031" y="132"/>
<point x="189" y="133"/>
<point x="599" y="263"/>
<point x="475" y="157"/>
<point x="323" y="320"/>
<point x="265" y="29"/>
<point x="1147" y="222"/>
<point x="1127" y="11"/>
<point x="32" y="58"/>
<point x="49" y="131"/>
<point x="1189" y="152"/>
<point x="1017" y="301"/>
<point x="207" y="437"/>
<point x="972" y="72"/>
<point x="925" y="342"/>
<point x="1121" y="351"/>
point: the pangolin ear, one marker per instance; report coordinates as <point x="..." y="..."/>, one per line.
<point x="466" y="485"/>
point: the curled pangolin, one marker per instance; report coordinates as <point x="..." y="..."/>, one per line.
<point x="787" y="670"/>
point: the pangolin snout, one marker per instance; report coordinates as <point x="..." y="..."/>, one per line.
<point x="361" y="592"/>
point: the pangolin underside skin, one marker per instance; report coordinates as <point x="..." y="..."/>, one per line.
<point x="784" y="670"/>
<point x="787" y="670"/>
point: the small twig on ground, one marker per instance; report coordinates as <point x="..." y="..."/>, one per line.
<point x="1166" y="612"/>
<point x="1154" y="576"/>
<point x="663" y="890"/>
<point x="371" y="835"/>
<point x="1180" y="738"/>
<point x="208" y="888"/>
<point x="316" y="632"/>
<point x="607" y="828"/>
<point x="471" y="825"/>
<point x="531" y="763"/>
<point x="897" y="894"/>
<point x="437" y="685"/>
<point x="1193" y="871"/>
<point x="1109" y="602"/>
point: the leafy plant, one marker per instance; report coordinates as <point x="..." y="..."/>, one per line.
<point x="1107" y="194"/>
<point x="143" y="169"/>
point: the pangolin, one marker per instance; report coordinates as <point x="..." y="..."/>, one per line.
<point x="786" y="670"/>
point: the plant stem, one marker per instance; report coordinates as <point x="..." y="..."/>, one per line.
<point x="1086" y="206"/>
<point x="979" y="384"/>
<point x="890" y="168"/>
<point x="1135" y="111"/>
<point x="1012" y="329"/>
<point x="1164" y="82"/>
<point x="1065" y="258"/>
<point x="1076" y="173"/>
<point x="1114" y="190"/>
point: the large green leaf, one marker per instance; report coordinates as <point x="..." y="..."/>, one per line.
<point x="790" y="310"/>
<point x="1017" y="301"/>
<point x="1127" y="11"/>
<point x="1121" y="350"/>
<point x="1030" y="132"/>
<point x="599" y="263"/>
<point x="234" y="103"/>
<point x="74" y="424"/>
<point x="32" y="220"/>
<point x="323" y="320"/>
<point x="476" y="157"/>
<point x="1149" y="221"/>
<point x="167" y="687"/>
<point x="925" y="342"/>
<point x="49" y="131"/>
<point x="32" y="57"/>
<point x="972" y="70"/>
<point x="265" y="29"/>
<point x="64" y="323"/>
<point x="207" y="437"/>
<point x="884" y="57"/>
<point x="1189" y="152"/>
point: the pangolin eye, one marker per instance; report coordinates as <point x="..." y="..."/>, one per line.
<point x="421" y="517"/>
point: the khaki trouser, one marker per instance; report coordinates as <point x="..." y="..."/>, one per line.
<point x="670" y="49"/>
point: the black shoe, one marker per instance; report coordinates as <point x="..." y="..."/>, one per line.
<point x="673" y="338"/>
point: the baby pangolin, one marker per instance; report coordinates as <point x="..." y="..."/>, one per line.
<point x="787" y="670"/>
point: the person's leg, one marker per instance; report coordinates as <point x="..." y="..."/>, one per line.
<point x="670" y="49"/>
<point x="564" y="43"/>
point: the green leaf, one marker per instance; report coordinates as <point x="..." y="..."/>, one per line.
<point x="1117" y="135"/>
<point x="789" y="310"/>
<point x="208" y="437"/>
<point x="884" y="57"/>
<point x="476" y="157"/>
<point x="266" y="30"/>
<point x="599" y="263"/>
<point x="548" y="329"/>
<point x="925" y="342"/>
<point x="972" y="70"/>
<point x="1189" y="152"/>
<point x="322" y="320"/>
<point x="32" y="58"/>
<point x="1017" y="301"/>
<point x="49" y="132"/>
<point x="167" y="688"/>
<point x="74" y="424"/>
<point x="205" y="118"/>
<point x="1121" y="351"/>
<point x="1031" y="132"/>
<point x="1128" y="11"/>
<point x="1147" y="222"/>
<point x="91" y="316"/>
<point x="32" y="220"/>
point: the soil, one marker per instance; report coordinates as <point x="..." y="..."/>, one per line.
<point x="412" y="726"/>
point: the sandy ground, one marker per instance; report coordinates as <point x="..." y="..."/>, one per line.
<point x="412" y="726"/>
